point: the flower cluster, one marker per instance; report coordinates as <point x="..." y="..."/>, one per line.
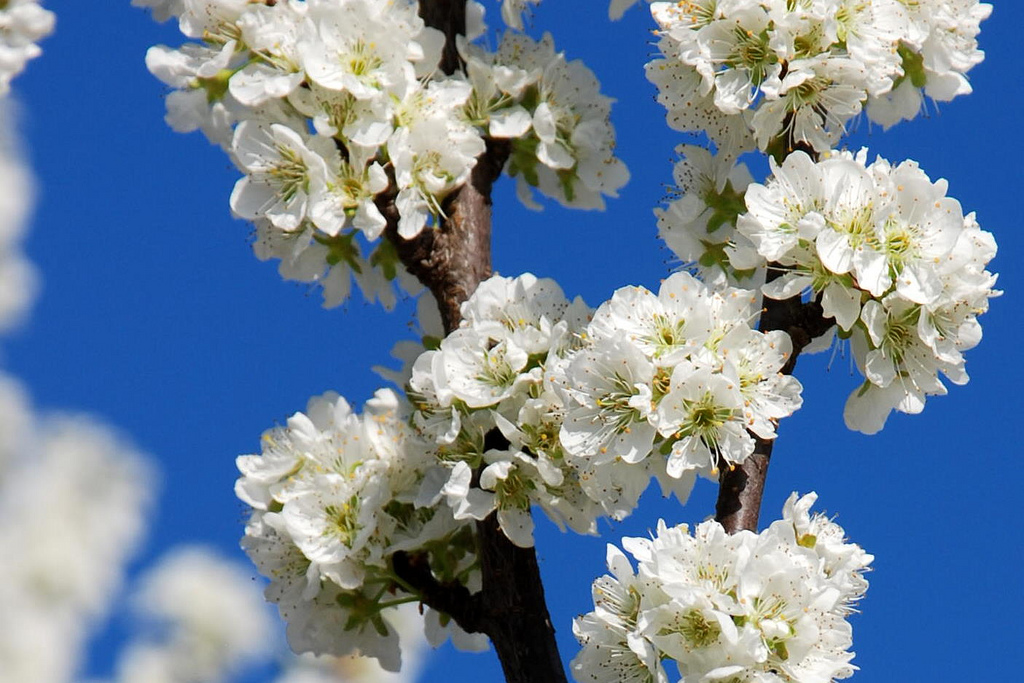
<point x="23" y="23"/>
<point x="937" y="49"/>
<point x="780" y="75"/>
<point x="894" y="261"/>
<point x="555" y="116"/>
<point x="562" y="407"/>
<point x="336" y="109"/>
<point x="333" y="497"/>
<point x="768" y="607"/>
<point x="699" y="222"/>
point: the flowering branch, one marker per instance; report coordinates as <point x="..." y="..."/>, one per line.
<point x="741" y="487"/>
<point x="354" y="118"/>
<point x="451" y="261"/>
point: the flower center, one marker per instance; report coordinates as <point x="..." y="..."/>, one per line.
<point x="343" y="520"/>
<point x="752" y="53"/>
<point x="289" y="175"/>
<point x="363" y="59"/>
<point x="698" y="629"/>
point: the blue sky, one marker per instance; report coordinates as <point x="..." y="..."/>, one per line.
<point x="156" y="316"/>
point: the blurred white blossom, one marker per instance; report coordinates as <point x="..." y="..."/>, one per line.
<point x="207" y="617"/>
<point x="75" y="494"/>
<point x="18" y="280"/>
<point x="23" y="23"/>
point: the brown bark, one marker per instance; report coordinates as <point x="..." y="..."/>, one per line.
<point x="455" y="257"/>
<point x="517" y="618"/>
<point x="449" y="17"/>
<point x="451" y="260"/>
<point x="741" y="488"/>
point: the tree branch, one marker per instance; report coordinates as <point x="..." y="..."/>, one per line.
<point x="451" y="260"/>
<point x="454" y="257"/>
<point x="741" y="488"/>
<point x="455" y="600"/>
<point x="449" y="17"/>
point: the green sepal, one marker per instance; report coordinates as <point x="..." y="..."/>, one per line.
<point x="523" y="160"/>
<point x="530" y="99"/>
<point x="567" y="179"/>
<point x="807" y="541"/>
<point x="216" y="86"/>
<point x="913" y="67"/>
<point x="378" y="624"/>
<point x="385" y="257"/>
<point x="341" y="248"/>
<point x="727" y="206"/>
<point x="780" y="650"/>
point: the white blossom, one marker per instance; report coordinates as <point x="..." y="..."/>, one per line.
<point x="212" y="20"/>
<point x="610" y="414"/>
<point x="795" y="74"/>
<point x="667" y="327"/>
<point x="272" y="35"/>
<point x="698" y="224"/>
<point x="333" y="496"/>
<point x="569" y="152"/>
<point x="282" y="171"/>
<point x="755" y="607"/>
<point x="895" y="261"/>
<point x="367" y="49"/>
<point x="703" y="412"/>
<point x="938" y="46"/>
<point x="433" y="152"/>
